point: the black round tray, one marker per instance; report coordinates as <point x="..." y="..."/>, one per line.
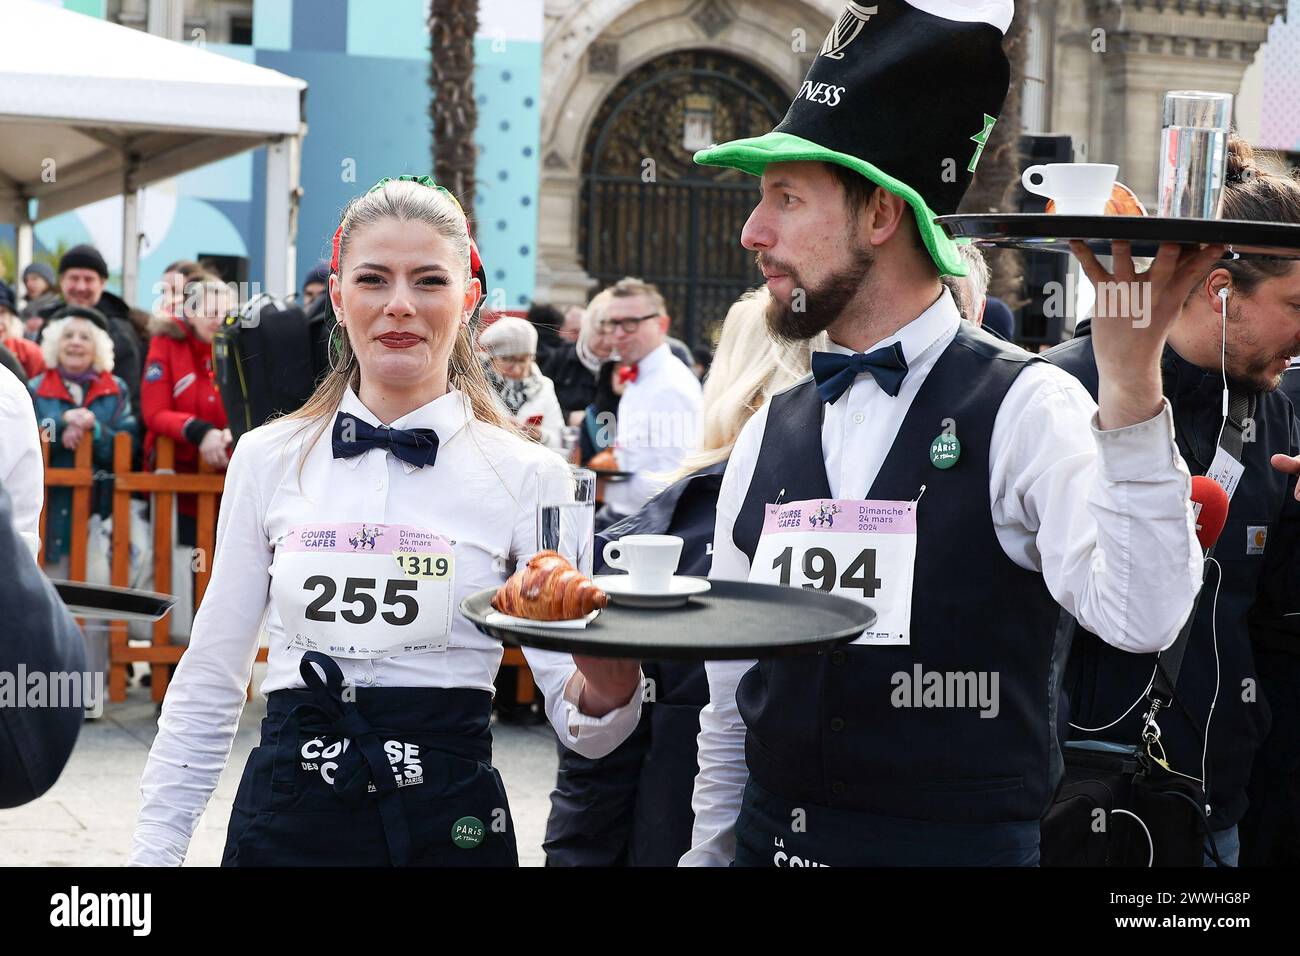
<point x="735" y="620"/>
<point x="613" y="477"/>
<point x="106" y="603"/>
<point x="1042" y="232"/>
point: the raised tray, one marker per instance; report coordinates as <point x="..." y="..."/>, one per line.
<point x="613" y="477"/>
<point x="104" y="603"/>
<point x="1042" y="232"/>
<point x="735" y="620"/>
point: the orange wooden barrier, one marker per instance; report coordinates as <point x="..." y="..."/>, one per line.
<point x="80" y="478"/>
<point x="162" y="485"/>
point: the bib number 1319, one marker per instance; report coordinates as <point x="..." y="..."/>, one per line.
<point x="359" y="604"/>
<point x="819" y="567"/>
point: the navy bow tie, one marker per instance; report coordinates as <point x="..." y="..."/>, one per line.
<point x="835" y="372"/>
<point x="352" y="437"/>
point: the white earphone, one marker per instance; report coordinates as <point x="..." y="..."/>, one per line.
<point x="1224" y="294"/>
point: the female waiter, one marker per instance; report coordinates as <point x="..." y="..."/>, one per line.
<point x="357" y="525"/>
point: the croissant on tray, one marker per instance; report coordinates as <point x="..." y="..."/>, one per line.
<point x="1122" y="202"/>
<point x="603" y="461"/>
<point x="548" y="588"/>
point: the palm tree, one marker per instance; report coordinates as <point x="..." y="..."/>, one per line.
<point x="998" y="174"/>
<point x="452" y="109"/>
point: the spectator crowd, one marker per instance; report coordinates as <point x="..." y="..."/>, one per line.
<point x="95" y="367"/>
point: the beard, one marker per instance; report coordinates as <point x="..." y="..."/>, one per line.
<point x="1245" y="365"/>
<point x="813" y="309"/>
<point x="1253" y="375"/>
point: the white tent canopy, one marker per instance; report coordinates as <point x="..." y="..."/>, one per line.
<point x="90" y="109"/>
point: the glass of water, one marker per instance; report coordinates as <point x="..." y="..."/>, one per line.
<point x="566" y="513"/>
<point x="1193" y="154"/>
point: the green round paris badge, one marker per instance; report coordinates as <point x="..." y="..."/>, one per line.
<point x="467" y="832"/>
<point x="944" y="451"/>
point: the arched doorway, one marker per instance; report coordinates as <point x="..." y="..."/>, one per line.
<point x="648" y="210"/>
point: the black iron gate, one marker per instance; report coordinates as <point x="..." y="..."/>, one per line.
<point x="649" y="211"/>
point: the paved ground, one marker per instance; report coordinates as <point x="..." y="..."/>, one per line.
<point x="86" y="819"/>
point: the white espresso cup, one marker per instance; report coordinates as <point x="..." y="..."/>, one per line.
<point x="650" y="560"/>
<point x="1077" y="189"/>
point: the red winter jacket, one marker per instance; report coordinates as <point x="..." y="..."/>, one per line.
<point x="177" y="388"/>
<point x="29" y="356"/>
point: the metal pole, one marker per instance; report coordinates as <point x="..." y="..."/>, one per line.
<point x="130" y="239"/>
<point x="167" y="19"/>
<point x="279" y="261"/>
<point x="25" y="247"/>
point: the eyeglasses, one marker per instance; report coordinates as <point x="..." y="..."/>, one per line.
<point x="628" y="326"/>
<point x="513" y="360"/>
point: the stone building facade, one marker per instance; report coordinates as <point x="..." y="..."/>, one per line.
<point x="1109" y="64"/>
<point x="1095" y="70"/>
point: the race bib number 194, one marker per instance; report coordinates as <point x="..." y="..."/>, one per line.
<point x="865" y="550"/>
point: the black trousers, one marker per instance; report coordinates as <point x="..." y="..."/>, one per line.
<point x="633" y="806"/>
<point x="1270" y="830"/>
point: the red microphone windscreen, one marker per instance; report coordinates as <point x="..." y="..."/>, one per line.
<point x="1213" y="510"/>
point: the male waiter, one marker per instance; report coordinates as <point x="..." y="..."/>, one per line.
<point x="659" y="412"/>
<point x="949" y="480"/>
<point x="1227" y="352"/>
<point x="1270" y="830"/>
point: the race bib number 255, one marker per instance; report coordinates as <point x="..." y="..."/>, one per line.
<point x="365" y="590"/>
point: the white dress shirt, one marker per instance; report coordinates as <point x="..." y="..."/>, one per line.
<point x="480" y="493"/>
<point x="22" y="473"/>
<point x="658" y="425"/>
<point x="1103" y="515"/>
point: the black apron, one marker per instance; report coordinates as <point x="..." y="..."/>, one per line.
<point x="773" y="831"/>
<point x="400" y="777"/>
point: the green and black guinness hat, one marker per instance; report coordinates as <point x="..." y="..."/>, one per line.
<point x="905" y="93"/>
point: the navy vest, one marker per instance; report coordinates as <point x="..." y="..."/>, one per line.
<point x="824" y="729"/>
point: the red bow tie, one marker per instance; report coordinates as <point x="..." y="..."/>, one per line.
<point x="627" y="373"/>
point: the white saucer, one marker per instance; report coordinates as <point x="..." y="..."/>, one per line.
<point x="619" y="589"/>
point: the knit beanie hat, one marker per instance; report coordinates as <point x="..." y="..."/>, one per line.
<point x="84" y="257"/>
<point x="42" y="270"/>
<point x="509" y="336"/>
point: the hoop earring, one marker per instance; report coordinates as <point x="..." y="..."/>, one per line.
<point x="335" y="351"/>
<point x="456" y="369"/>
